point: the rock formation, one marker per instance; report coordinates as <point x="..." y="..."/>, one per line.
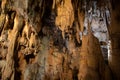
<point x="59" y="40"/>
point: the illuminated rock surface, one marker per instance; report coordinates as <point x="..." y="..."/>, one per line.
<point x="59" y="40"/>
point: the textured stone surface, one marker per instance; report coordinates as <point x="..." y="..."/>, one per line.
<point x="55" y="40"/>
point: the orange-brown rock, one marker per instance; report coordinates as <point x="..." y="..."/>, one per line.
<point x="54" y="40"/>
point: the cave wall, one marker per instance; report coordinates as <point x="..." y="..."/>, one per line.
<point x="42" y="40"/>
<point x="115" y="37"/>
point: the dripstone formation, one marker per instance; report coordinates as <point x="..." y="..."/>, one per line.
<point x="59" y="40"/>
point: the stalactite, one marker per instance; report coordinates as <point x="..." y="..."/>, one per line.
<point x="9" y="67"/>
